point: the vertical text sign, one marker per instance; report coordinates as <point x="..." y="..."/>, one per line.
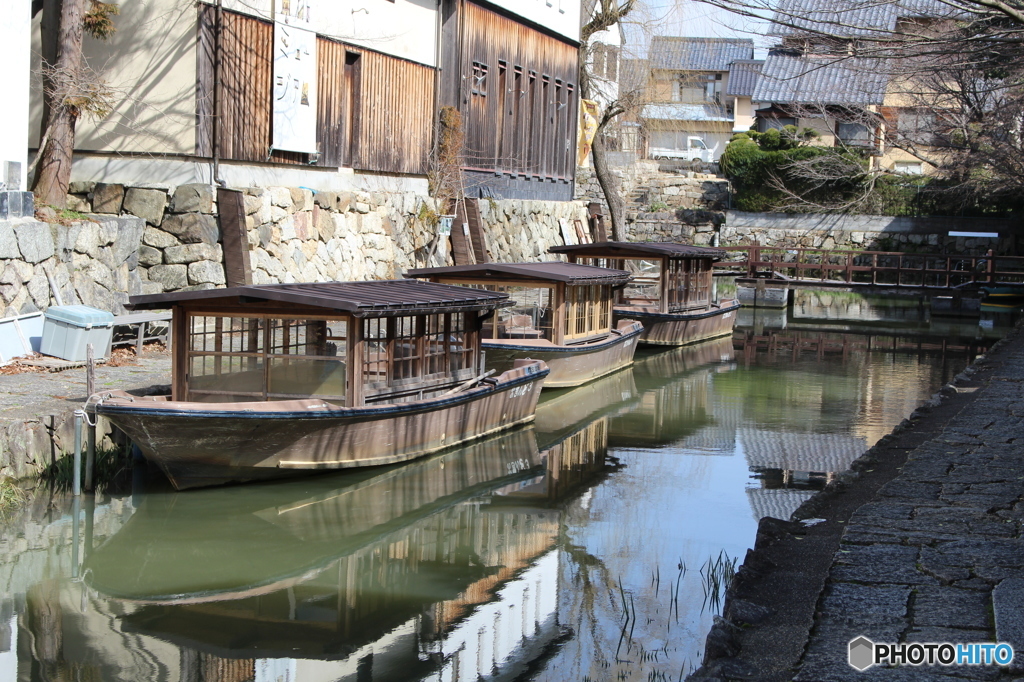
<point x="294" y="93"/>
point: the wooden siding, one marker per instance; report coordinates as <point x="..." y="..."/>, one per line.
<point x="518" y="98"/>
<point x="391" y="101"/>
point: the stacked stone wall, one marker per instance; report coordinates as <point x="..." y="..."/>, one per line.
<point x="150" y="239"/>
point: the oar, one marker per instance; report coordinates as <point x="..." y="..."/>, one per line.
<point x="466" y="384"/>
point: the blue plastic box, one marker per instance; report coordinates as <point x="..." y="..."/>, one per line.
<point x="69" y="329"/>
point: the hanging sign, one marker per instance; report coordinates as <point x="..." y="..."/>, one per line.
<point x="294" y="92"/>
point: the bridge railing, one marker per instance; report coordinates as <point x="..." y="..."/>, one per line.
<point x="889" y="268"/>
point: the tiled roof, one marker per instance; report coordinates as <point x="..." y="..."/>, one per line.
<point x="362" y="299"/>
<point x="639" y="250"/>
<point x="698" y="54"/>
<point x="779" y="503"/>
<point x="684" y="112"/>
<point x="548" y="271"/>
<point x="743" y="76"/>
<point x="815" y="452"/>
<point x="789" y="78"/>
<point x="851" y="18"/>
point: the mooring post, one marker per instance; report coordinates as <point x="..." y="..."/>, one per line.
<point x="90" y="388"/>
<point x="76" y="533"/>
<point x="90" y="371"/>
<point x="76" y="476"/>
<point x="990" y="266"/>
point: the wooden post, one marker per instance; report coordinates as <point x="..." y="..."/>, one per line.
<point x="90" y="388"/>
<point x="990" y="266"/>
<point x="90" y="371"/>
<point x="874" y="268"/>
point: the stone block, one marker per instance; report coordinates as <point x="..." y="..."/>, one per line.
<point x="8" y="241"/>
<point x="79" y="203"/>
<point x="301" y="221"/>
<point x="302" y="199"/>
<point x="193" y="227"/>
<point x="345" y="200"/>
<point x="158" y="239"/>
<point x="35" y="241"/>
<point x="81" y="186"/>
<point x="170" y="277"/>
<point x="1008" y="608"/>
<point x="362" y="207"/>
<point x="326" y="200"/>
<point x="206" y="272"/>
<point x="280" y="197"/>
<point x="252" y="204"/>
<point x="149" y="256"/>
<point x="148" y="204"/>
<point x="191" y="253"/>
<point x="107" y="198"/>
<point x="149" y="287"/>
<point x="15" y="204"/>
<point x="193" y="198"/>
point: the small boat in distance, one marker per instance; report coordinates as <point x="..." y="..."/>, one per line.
<point x="282" y="379"/>
<point x="561" y="313"/>
<point x="671" y="293"/>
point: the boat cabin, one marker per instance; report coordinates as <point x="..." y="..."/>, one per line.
<point x="667" y="277"/>
<point x="347" y="343"/>
<point x="562" y="303"/>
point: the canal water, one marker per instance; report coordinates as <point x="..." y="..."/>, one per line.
<point x="594" y="545"/>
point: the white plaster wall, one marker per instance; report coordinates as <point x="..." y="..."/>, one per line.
<point x="174" y="172"/>
<point x="149" y="65"/>
<point x="560" y="16"/>
<point x="15" y="46"/>
<point x="403" y="28"/>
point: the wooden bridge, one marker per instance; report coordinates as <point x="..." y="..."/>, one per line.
<point x="872" y="269"/>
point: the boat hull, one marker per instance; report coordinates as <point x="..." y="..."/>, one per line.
<point x="681" y="329"/>
<point x="202" y="444"/>
<point x="571" y="365"/>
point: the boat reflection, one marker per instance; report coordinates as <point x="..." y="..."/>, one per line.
<point x="446" y="565"/>
<point x="673" y="399"/>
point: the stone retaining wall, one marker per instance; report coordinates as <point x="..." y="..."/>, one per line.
<point x="143" y="240"/>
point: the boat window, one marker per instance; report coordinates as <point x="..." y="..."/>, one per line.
<point x="689" y="284"/>
<point x="645" y="287"/>
<point x="259" y="358"/>
<point x="414" y="352"/>
<point x="588" y="311"/>
<point x="529" y="317"/>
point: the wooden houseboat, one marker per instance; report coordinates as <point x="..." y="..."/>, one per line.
<point x="561" y="314"/>
<point x="282" y="379"/>
<point x="671" y="293"/>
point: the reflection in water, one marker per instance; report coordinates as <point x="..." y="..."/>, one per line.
<point x="567" y="550"/>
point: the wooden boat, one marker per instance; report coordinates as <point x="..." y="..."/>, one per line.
<point x="562" y="314"/>
<point x="671" y="292"/>
<point x="277" y="380"/>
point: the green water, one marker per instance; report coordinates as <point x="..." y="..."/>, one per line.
<point x="587" y="546"/>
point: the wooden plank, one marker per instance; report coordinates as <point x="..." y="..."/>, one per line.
<point x="476" y="231"/>
<point x="231" y="214"/>
<point x="462" y="247"/>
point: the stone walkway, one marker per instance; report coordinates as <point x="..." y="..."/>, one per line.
<point x="938" y="555"/>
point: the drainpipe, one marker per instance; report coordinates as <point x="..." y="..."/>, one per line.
<point x="216" y="94"/>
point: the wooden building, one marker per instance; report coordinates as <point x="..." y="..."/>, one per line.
<point x="202" y="86"/>
<point x="513" y="78"/>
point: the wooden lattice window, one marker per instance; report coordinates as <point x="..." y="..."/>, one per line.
<point x="235" y="358"/>
<point x="588" y="311"/>
<point x="689" y="284"/>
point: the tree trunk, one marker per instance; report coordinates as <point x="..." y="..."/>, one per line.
<point x="54" y="172"/>
<point x="616" y="204"/>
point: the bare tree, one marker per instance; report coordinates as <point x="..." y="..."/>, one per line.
<point x="607" y="13"/>
<point x="70" y="89"/>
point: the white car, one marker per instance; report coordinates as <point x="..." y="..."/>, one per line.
<point x="695" y="150"/>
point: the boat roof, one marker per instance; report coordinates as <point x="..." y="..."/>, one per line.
<point x="572" y="274"/>
<point x="639" y="250"/>
<point x="387" y="298"/>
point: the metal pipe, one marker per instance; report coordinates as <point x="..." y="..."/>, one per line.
<point x="76" y="480"/>
<point x="216" y="93"/>
<point x="76" y="531"/>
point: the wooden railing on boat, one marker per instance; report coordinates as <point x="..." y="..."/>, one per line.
<point x="879" y="268"/>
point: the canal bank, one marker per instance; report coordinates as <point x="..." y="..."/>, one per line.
<point x="920" y="542"/>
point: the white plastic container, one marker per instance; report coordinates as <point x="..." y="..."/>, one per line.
<point x="68" y="329"/>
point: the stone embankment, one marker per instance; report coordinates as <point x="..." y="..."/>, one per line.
<point x="923" y="542"/>
<point x="142" y="240"/>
